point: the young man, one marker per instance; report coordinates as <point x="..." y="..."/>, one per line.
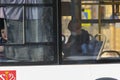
<point x="78" y="41"/>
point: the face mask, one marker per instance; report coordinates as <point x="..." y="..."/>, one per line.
<point x="73" y="33"/>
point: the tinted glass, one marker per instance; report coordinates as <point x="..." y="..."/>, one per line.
<point x="39" y="24"/>
<point x="25" y="1"/>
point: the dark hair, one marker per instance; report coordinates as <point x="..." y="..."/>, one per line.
<point x="70" y="27"/>
<point x="1" y="25"/>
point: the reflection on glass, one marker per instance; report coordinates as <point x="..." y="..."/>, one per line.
<point x="12" y="1"/>
<point x="29" y="53"/>
<point x="14" y="24"/>
<point x="15" y="32"/>
<point x="38" y="1"/>
<point x="27" y="29"/>
<point x="39" y="24"/>
<point x="25" y="1"/>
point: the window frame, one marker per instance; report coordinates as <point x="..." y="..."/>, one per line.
<point x="55" y="43"/>
<point x="99" y="21"/>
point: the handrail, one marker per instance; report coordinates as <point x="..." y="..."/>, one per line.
<point x="110" y="51"/>
<point x="102" y="47"/>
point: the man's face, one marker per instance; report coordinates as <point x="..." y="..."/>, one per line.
<point x="77" y="28"/>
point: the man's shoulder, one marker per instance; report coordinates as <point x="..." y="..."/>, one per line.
<point x="83" y="30"/>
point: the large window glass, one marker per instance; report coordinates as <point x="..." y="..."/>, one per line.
<point x="28" y="32"/>
<point x="39" y="24"/>
<point x="90" y="31"/>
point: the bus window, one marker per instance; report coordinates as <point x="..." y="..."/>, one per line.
<point x="90" y="31"/>
<point x="30" y="30"/>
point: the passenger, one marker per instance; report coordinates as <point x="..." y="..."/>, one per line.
<point x="3" y="34"/>
<point x="114" y="16"/>
<point x="3" y="37"/>
<point x="78" y="41"/>
<point x="1" y="27"/>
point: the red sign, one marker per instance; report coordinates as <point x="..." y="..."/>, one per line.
<point x="7" y="75"/>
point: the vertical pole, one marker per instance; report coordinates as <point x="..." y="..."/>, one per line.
<point x="59" y="33"/>
<point x="113" y="26"/>
<point x="24" y="34"/>
<point x="75" y="9"/>
<point x="99" y="20"/>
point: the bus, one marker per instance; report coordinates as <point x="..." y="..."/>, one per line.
<point x="59" y="39"/>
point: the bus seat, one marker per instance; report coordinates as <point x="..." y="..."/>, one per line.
<point x="96" y="48"/>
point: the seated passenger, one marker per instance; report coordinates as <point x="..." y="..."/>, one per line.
<point x="3" y="36"/>
<point x="78" y="41"/>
